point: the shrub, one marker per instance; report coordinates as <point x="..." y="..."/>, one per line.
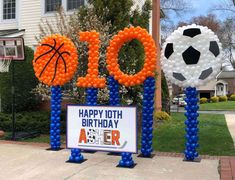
<point x="223" y="98"/>
<point x="214" y="99"/>
<point x="232" y="97"/>
<point x="161" y="116"/>
<point x="25" y="81"/>
<point x="30" y="121"/>
<point x="203" y="100"/>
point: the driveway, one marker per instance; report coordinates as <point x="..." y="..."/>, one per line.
<point x="31" y="162"/>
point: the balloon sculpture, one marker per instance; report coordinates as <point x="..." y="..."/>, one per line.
<point x="55" y="62"/>
<point x="190" y="58"/>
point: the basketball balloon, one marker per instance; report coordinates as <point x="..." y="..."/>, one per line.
<point x="55" y="60"/>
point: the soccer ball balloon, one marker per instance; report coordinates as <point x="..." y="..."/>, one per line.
<point x="191" y="56"/>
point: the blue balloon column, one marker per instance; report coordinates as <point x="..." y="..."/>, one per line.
<point x="91" y="96"/>
<point x="91" y="99"/>
<point x="191" y="124"/>
<point x="147" y="117"/>
<point x="114" y="100"/>
<point x="56" y="98"/>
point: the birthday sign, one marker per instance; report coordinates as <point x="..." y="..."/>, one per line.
<point x="102" y="128"/>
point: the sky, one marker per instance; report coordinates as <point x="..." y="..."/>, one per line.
<point x="199" y="7"/>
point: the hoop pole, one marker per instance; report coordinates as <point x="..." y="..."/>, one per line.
<point x="13" y="100"/>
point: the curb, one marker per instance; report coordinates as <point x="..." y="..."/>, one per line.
<point x="157" y="153"/>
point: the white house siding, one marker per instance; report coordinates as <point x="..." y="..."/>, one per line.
<point x="140" y="3"/>
<point x="31" y="15"/>
<point x="210" y="86"/>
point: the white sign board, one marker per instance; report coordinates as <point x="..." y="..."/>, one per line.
<point x="104" y="128"/>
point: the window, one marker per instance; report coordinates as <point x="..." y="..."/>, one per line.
<point x="52" y="5"/>
<point x="74" y="4"/>
<point x="9" y="9"/>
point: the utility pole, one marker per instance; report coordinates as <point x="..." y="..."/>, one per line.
<point x="156" y="36"/>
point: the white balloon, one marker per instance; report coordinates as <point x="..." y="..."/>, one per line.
<point x="178" y="62"/>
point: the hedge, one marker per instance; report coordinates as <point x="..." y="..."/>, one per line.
<point x="30" y="122"/>
<point x="214" y="99"/>
<point x="223" y="98"/>
<point x="25" y="81"/>
<point x="203" y="100"/>
<point x="232" y="97"/>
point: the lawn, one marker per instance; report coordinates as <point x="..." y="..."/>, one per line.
<point x="229" y="105"/>
<point x="214" y="137"/>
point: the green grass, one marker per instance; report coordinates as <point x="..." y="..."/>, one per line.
<point x="44" y="138"/>
<point x="214" y="137"/>
<point x="229" y="105"/>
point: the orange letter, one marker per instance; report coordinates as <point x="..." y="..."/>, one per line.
<point x="82" y="136"/>
<point x="91" y="79"/>
<point x="116" y="43"/>
<point x="115" y="137"/>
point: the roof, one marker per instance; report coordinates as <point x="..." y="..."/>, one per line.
<point x="226" y="75"/>
<point x="11" y="33"/>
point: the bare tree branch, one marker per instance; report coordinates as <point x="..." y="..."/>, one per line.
<point x="226" y="6"/>
<point x="177" y="6"/>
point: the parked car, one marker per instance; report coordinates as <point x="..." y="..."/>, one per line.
<point x="178" y="98"/>
<point x="182" y="102"/>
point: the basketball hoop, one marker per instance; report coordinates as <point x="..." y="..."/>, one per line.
<point x="4" y="64"/>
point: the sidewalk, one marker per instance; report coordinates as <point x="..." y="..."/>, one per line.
<point x="227" y="165"/>
<point x="34" y="162"/>
<point x="230" y="120"/>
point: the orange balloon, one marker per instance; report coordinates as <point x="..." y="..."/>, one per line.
<point x="150" y="56"/>
<point x="91" y="79"/>
<point x="55" y="60"/>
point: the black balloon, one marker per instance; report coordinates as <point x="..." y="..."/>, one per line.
<point x="192" y="32"/>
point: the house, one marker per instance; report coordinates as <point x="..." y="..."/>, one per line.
<point x="222" y="85"/>
<point x="225" y="83"/>
<point x="21" y="18"/>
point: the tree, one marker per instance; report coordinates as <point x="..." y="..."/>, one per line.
<point x="227" y="6"/>
<point x="209" y="20"/>
<point x="25" y="81"/>
<point x="118" y="13"/>
<point x="176" y="6"/>
<point x="227" y="37"/>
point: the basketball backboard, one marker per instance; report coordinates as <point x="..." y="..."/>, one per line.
<point x="12" y="48"/>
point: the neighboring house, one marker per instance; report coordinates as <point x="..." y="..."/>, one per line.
<point x="224" y="84"/>
<point x="21" y="18"/>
